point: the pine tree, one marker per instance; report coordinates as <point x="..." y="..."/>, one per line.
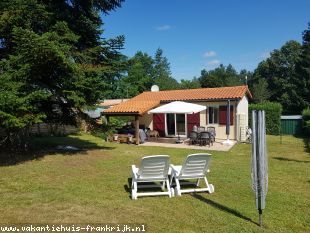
<point x="162" y="74"/>
<point x="53" y="59"/>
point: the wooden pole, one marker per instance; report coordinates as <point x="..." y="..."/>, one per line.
<point x="137" y="129"/>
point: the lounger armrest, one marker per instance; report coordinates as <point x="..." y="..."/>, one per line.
<point x="175" y="169"/>
<point x="134" y="170"/>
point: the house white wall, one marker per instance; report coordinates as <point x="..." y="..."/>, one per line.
<point x="240" y="106"/>
<point x="220" y="129"/>
<point x="243" y="107"/>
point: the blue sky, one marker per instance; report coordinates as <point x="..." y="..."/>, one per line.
<point x="201" y="34"/>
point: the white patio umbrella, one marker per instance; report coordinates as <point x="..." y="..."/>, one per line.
<point x="178" y="107"/>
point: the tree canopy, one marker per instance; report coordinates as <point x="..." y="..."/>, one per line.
<point x="144" y="71"/>
<point x="279" y="70"/>
<point x="53" y="59"/>
<point x="222" y="76"/>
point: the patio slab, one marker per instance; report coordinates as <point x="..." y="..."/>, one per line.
<point x="170" y="142"/>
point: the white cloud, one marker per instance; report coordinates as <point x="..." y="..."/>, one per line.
<point x="163" y="27"/>
<point x="209" y="54"/>
<point x="214" y="62"/>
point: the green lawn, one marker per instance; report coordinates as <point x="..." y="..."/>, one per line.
<point x="92" y="187"/>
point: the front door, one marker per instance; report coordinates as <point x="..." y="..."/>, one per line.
<point x="170" y="123"/>
<point x="180" y="123"/>
<point x="175" y="124"/>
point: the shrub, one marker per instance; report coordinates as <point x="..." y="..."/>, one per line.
<point x="306" y="121"/>
<point x="273" y="113"/>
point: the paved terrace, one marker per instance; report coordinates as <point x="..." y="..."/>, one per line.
<point x="170" y="142"/>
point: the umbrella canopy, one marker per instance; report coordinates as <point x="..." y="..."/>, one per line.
<point x="179" y="107"/>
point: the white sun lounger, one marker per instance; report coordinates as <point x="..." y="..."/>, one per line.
<point x="153" y="169"/>
<point x="194" y="167"/>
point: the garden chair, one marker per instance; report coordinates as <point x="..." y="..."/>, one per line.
<point x="193" y="136"/>
<point x="205" y="139"/>
<point x="194" y="168"/>
<point x="211" y="129"/>
<point x="153" y="169"/>
<point x="200" y="129"/>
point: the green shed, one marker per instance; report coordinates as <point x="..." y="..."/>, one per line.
<point x="291" y="124"/>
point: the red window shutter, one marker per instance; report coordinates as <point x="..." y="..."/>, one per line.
<point x="192" y="119"/>
<point x="159" y="123"/>
<point x="223" y="113"/>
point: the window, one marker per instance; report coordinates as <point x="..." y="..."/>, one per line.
<point x="213" y="115"/>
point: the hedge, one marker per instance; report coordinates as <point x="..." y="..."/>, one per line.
<point x="306" y="121"/>
<point x="273" y="113"/>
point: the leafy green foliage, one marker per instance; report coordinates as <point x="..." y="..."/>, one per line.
<point x="140" y="74"/>
<point x="189" y="84"/>
<point x="280" y="73"/>
<point x="222" y="76"/>
<point x="260" y="91"/>
<point x="161" y="72"/>
<point x="306" y="120"/>
<point x="53" y="60"/>
<point x="145" y="71"/>
<point x="303" y="71"/>
<point x="273" y="113"/>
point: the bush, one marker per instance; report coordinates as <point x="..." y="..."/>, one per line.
<point x="273" y="113"/>
<point x="306" y="121"/>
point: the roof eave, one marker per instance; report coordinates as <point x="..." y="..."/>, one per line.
<point x="121" y="113"/>
<point x="201" y="100"/>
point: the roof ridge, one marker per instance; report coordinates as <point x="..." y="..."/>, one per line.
<point x="201" y="88"/>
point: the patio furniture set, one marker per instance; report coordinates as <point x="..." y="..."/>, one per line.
<point x="156" y="170"/>
<point x="202" y="137"/>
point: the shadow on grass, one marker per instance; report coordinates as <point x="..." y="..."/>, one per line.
<point x="291" y="160"/>
<point x="49" y="145"/>
<point x="222" y="207"/>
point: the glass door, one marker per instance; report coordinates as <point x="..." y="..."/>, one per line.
<point x="170" y="123"/>
<point x="175" y="124"/>
<point x="180" y="125"/>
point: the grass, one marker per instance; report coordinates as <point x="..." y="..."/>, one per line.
<point x="91" y="186"/>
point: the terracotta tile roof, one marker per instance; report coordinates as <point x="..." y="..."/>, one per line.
<point x="111" y="102"/>
<point x="148" y="100"/>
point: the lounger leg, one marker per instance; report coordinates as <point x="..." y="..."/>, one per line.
<point x="168" y="188"/>
<point x="134" y="190"/>
<point x="197" y="184"/>
<point x="209" y="186"/>
<point x="178" y="187"/>
<point x="163" y="186"/>
<point x="171" y="178"/>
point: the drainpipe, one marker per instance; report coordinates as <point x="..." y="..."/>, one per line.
<point x="227" y="142"/>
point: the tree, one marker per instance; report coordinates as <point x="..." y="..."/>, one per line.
<point x="161" y="72"/>
<point x="221" y="77"/>
<point x="145" y="71"/>
<point x="279" y="70"/>
<point x="140" y="74"/>
<point x="189" y="84"/>
<point x="303" y="71"/>
<point x="53" y="60"/>
<point x="260" y="91"/>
